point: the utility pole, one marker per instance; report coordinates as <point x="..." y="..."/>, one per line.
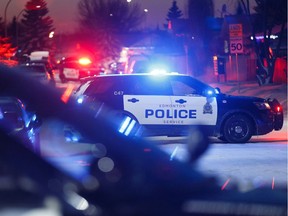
<point x="5" y="17"/>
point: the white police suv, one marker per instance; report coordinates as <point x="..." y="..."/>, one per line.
<point x="168" y="104"/>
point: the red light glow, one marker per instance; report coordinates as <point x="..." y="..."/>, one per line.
<point x="67" y="93"/>
<point x="84" y="61"/>
<point x="278" y="108"/>
<point x="225" y="184"/>
<point x="147" y="150"/>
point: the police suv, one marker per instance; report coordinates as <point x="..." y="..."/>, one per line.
<point x="169" y="104"/>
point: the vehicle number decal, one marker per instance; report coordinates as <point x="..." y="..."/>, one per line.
<point x="118" y="92"/>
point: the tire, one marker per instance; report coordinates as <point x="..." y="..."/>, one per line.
<point x="238" y="128"/>
<point x="222" y="138"/>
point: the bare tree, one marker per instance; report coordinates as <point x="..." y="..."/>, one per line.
<point x="106" y="20"/>
<point x="198" y="12"/>
<point x="271" y="15"/>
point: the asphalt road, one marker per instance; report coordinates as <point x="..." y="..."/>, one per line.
<point x="263" y="161"/>
<point x="250" y="165"/>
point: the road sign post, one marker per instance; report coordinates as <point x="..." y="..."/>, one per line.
<point x="236" y="44"/>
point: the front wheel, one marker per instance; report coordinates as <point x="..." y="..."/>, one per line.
<point x="238" y="128"/>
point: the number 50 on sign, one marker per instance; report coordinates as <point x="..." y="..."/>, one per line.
<point x="236" y="46"/>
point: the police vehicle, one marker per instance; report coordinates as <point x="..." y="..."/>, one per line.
<point x="170" y="104"/>
<point x="76" y="68"/>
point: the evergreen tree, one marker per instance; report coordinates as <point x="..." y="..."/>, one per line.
<point x="173" y="13"/>
<point x="36" y="27"/>
<point x="6" y="49"/>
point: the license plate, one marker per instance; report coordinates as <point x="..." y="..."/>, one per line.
<point x="71" y="73"/>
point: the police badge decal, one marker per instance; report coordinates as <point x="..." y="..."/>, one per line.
<point x="207" y="109"/>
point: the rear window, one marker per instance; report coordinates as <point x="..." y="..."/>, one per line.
<point x="151" y="85"/>
<point x="34" y="69"/>
<point x="71" y="64"/>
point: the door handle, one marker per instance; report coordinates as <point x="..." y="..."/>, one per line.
<point x="181" y="101"/>
<point x="133" y="100"/>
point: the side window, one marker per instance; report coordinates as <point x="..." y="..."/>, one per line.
<point x="151" y="85"/>
<point x="98" y="87"/>
<point x="70" y="64"/>
<point x="182" y="89"/>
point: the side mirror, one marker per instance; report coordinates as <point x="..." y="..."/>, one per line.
<point x="13" y="120"/>
<point x="217" y="90"/>
<point x="210" y="92"/>
<point x="35" y="122"/>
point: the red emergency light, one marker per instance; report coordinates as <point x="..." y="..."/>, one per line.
<point x="84" y="61"/>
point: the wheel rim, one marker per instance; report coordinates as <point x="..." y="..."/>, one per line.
<point x="238" y="129"/>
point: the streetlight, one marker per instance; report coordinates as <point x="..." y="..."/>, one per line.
<point x="146" y="14"/>
<point x="17" y="26"/>
<point x="5" y="17"/>
<point x="51" y="34"/>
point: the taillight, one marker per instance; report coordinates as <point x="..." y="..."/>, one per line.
<point x="278" y="108"/>
<point x="275" y="105"/>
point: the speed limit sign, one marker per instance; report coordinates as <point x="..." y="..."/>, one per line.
<point x="236" y="38"/>
<point x="236" y="46"/>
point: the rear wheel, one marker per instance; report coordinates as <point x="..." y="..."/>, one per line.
<point x="222" y="138"/>
<point x="237" y="128"/>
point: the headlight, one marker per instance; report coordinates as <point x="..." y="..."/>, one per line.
<point x="80" y="99"/>
<point x="262" y="105"/>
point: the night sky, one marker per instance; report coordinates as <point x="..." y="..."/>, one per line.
<point x="64" y="12"/>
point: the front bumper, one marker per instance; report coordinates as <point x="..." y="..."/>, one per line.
<point x="269" y="121"/>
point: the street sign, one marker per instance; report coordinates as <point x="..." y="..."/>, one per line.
<point x="236" y="38"/>
<point x="236" y="46"/>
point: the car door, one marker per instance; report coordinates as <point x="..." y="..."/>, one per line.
<point x="190" y="103"/>
<point x="149" y="100"/>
